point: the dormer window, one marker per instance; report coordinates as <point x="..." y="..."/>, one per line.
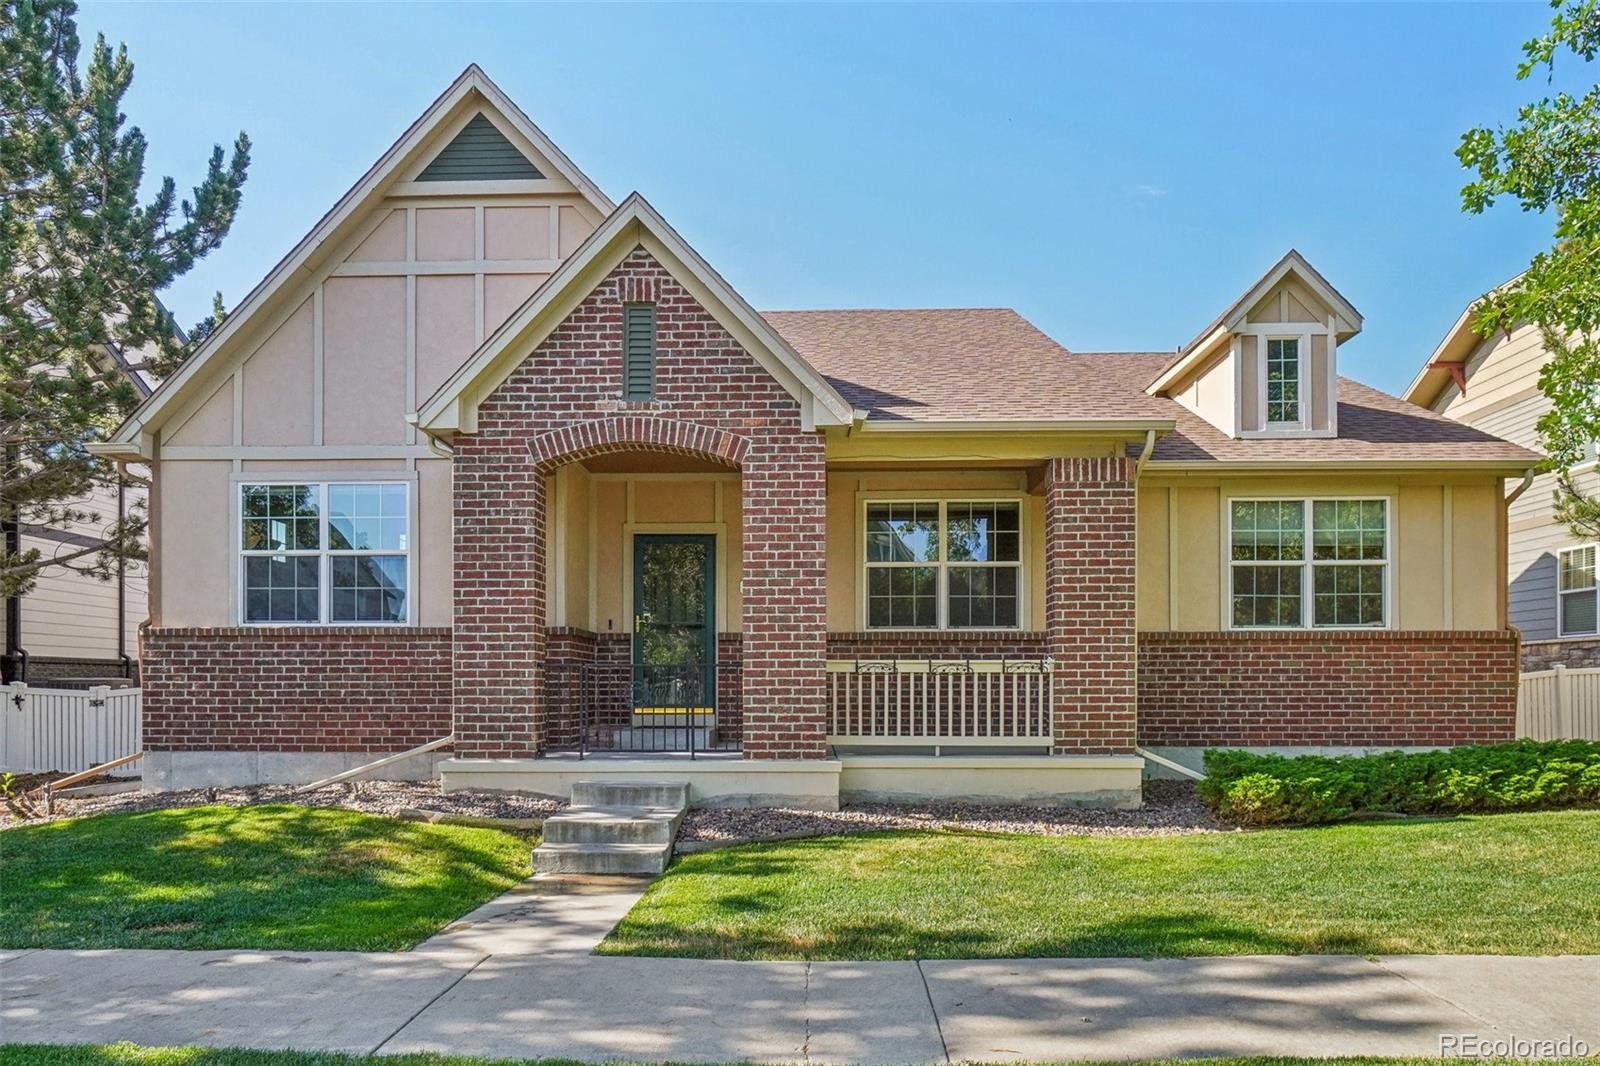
<point x="1283" y="381"/>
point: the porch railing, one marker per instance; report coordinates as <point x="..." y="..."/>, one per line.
<point x="599" y="706"/>
<point x="968" y="702"/>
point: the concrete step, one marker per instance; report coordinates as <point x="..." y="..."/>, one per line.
<point x="668" y="794"/>
<point x="613" y="825"/>
<point x="625" y="859"/>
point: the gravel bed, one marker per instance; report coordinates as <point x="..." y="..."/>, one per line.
<point x="1170" y="808"/>
<point x="372" y="797"/>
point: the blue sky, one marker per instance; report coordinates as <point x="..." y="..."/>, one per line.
<point x="1117" y="174"/>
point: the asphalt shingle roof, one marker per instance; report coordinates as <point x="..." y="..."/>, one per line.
<point x="991" y="364"/>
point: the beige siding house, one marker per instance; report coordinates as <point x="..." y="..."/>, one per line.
<point x="491" y="456"/>
<point x="1492" y="384"/>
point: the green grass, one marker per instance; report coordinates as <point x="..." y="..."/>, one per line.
<point x="132" y="1055"/>
<point x="1497" y="884"/>
<point x="280" y="876"/>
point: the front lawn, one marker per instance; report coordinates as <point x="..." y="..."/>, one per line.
<point x="132" y="1055"/>
<point x="281" y="877"/>
<point x="1525" y="884"/>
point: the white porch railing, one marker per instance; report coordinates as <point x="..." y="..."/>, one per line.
<point x="1559" y="704"/>
<point x="940" y="701"/>
<point x="67" y="730"/>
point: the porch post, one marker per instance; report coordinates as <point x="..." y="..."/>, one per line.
<point x="499" y="639"/>
<point x="1089" y="603"/>
<point x="784" y="493"/>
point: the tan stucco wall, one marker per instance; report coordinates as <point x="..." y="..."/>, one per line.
<point x="1181" y="524"/>
<point x="194" y="542"/>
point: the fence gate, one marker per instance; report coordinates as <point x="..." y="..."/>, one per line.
<point x="67" y="730"/>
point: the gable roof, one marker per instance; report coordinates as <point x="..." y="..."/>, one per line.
<point x="1349" y="319"/>
<point x="1457" y="346"/>
<point x="635" y="223"/>
<point x="471" y="94"/>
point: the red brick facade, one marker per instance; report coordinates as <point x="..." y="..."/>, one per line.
<point x="367" y="689"/>
<point x="1089" y="603"/>
<point x="1347" y="688"/>
<point x="713" y="401"/>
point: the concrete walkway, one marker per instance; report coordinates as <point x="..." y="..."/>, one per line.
<point x="516" y="979"/>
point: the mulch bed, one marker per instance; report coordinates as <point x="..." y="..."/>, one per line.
<point x="372" y="797"/>
<point x="1170" y="808"/>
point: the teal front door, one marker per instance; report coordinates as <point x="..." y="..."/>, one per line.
<point x="674" y="624"/>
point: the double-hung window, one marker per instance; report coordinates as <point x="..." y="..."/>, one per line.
<point x="1576" y="591"/>
<point x="1283" y="381"/>
<point x="944" y="564"/>
<point x="324" y="552"/>
<point x="1318" y="563"/>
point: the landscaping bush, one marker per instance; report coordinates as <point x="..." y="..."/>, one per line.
<point x="1526" y="775"/>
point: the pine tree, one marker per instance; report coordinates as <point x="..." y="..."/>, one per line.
<point x="82" y="259"/>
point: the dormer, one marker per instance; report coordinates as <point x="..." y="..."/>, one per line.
<point x="1267" y="367"/>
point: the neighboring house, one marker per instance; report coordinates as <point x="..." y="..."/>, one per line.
<point x="1492" y="384"/>
<point x="489" y="455"/>
<point x="71" y="628"/>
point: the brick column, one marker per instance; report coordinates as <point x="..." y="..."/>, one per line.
<point x="784" y="492"/>
<point x="499" y="646"/>
<point x="1089" y="603"/>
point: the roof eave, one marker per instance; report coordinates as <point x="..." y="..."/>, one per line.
<point x="1509" y="467"/>
<point x="1130" y="426"/>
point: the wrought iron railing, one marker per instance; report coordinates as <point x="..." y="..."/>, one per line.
<point x="597" y="706"/>
<point x="941" y="701"/>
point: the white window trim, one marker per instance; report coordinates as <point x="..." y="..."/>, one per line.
<point x="942" y="607"/>
<point x="1302" y="379"/>
<point x="1302" y="332"/>
<point x="323" y="481"/>
<point x="1561" y="629"/>
<point x="1308" y="595"/>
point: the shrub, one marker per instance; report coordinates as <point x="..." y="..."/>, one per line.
<point x="1526" y="775"/>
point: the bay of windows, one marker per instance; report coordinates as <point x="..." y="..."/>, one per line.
<point x="943" y="564"/>
<point x="1297" y="563"/>
<point x="324" y="552"/>
<point x="1576" y="591"/>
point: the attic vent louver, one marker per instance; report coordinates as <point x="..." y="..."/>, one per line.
<point x="480" y="152"/>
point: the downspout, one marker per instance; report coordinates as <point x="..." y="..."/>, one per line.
<point x="122" y="579"/>
<point x="1527" y="479"/>
<point x="1144" y="456"/>
<point x="16" y="657"/>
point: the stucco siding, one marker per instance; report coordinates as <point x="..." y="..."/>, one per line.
<point x="1430" y="588"/>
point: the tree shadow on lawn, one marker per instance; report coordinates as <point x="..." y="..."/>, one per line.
<point x="275" y="876"/>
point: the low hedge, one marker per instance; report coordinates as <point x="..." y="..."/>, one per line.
<point x="1252" y="789"/>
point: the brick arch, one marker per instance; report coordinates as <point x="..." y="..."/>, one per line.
<point x="632" y="433"/>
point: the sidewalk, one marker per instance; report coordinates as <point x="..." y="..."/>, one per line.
<point x="492" y="985"/>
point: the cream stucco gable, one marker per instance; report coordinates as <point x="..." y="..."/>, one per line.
<point x="1285" y="328"/>
<point x="453" y="408"/>
<point x="403" y="235"/>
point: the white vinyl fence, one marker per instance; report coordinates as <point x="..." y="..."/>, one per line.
<point x="67" y="730"/>
<point x="1559" y="704"/>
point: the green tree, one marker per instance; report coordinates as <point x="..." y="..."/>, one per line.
<point x="83" y="258"/>
<point x="1550" y="159"/>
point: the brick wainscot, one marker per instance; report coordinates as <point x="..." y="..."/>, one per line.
<point x="1338" y="690"/>
<point x="263" y="703"/>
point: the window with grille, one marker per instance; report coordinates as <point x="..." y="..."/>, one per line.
<point x="1308" y="563"/>
<point x="331" y="552"/>
<point x="944" y="564"/>
<point x="1576" y="591"/>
